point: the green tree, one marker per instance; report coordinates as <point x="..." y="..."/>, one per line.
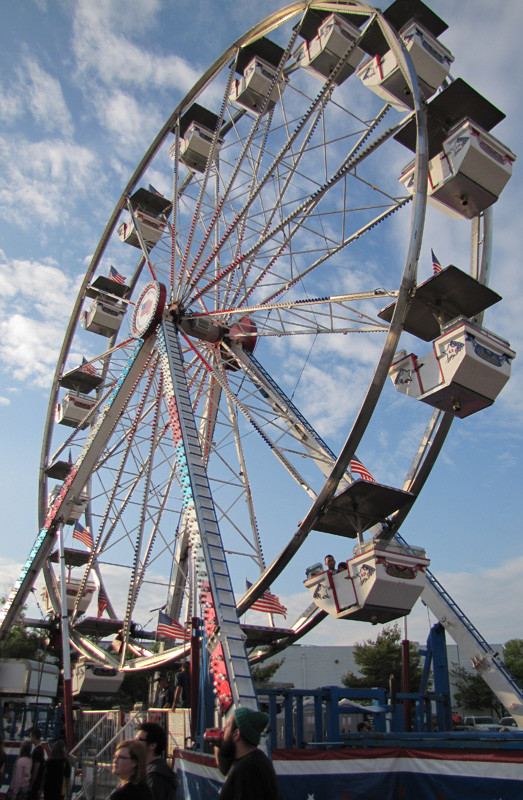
<point x="472" y="693"/>
<point x="262" y="674"/>
<point x="24" y="643"/>
<point x="378" y="660"/>
<point x="513" y="658"/>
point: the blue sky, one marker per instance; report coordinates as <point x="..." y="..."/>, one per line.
<point x="85" y="87"/>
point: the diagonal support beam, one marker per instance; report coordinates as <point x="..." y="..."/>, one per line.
<point x="198" y="502"/>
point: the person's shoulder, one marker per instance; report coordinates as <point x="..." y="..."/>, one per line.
<point x="253" y="759"/>
<point x="132" y="791"/>
<point x="257" y="759"/>
<point x="259" y="755"/>
<point x="159" y="766"/>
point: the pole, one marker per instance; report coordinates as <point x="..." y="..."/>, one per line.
<point x="405" y="683"/>
<point x="66" y="661"/>
<point x="195" y="674"/>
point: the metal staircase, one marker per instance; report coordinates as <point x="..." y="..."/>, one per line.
<point x="198" y="501"/>
<point x="483" y="658"/>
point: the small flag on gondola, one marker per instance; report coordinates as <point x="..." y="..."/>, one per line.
<point x="102" y="601"/>
<point x="154" y="191"/>
<point x="88" y="368"/>
<point x="268" y="603"/>
<point x="357" y="467"/>
<point x="114" y="275"/>
<point x="436" y="266"/>
<point x="169" y="628"/>
<point x="83" y="535"/>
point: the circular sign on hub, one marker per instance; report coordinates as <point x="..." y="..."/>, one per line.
<point x="149" y="310"/>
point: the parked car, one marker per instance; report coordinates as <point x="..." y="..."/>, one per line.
<point x="481" y="723"/>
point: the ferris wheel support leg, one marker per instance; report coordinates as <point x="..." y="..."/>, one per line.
<point x="198" y="502"/>
<point x="66" y="661"/>
<point x="195" y="673"/>
<point x="73" y="486"/>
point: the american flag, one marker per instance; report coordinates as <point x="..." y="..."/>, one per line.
<point x="154" y="191"/>
<point x="83" y="535"/>
<point x="436" y="266"/>
<point x="114" y="275"/>
<point x="102" y="601"/>
<point x="170" y="628"/>
<point x="88" y="368"/>
<point x="357" y="466"/>
<point x="268" y="603"/>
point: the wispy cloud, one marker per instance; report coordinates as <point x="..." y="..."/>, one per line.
<point x="29" y="343"/>
<point x="43" y="180"/>
<point x="44" y="97"/>
<point x="104" y="48"/>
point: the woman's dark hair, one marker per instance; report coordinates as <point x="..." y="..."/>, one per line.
<point x="58" y="749"/>
<point x="137" y="753"/>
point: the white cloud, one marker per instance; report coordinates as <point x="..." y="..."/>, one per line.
<point x="125" y="118"/>
<point x="103" y="51"/>
<point x="44" y="180"/>
<point x="4" y="401"/>
<point x="44" y="96"/>
<point x="11" y="104"/>
<point x="29" y="350"/>
<point x="29" y="345"/>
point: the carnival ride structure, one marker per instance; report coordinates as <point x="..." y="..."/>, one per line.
<point x="173" y="446"/>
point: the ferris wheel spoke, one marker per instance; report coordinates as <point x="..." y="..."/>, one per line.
<point x="138" y="568"/>
<point x="130" y="434"/>
<point x="210" y="159"/>
<point x="298" y="216"/>
<point x="291" y="200"/>
<point x="253" y="195"/>
<point x="244" y="154"/>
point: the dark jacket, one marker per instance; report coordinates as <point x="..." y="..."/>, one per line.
<point x="251" y="777"/>
<point x="131" y="791"/>
<point x="161" y="779"/>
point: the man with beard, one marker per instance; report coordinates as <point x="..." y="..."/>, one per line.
<point x="250" y="774"/>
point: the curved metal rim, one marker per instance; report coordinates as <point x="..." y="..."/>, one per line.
<point x="408" y="280"/>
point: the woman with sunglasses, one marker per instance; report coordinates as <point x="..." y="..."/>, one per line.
<point x="130" y="769"/>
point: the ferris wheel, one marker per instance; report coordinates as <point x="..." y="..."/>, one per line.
<point x="274" y="266"/>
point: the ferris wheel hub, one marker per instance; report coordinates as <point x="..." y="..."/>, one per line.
<point x="149" y="310"/>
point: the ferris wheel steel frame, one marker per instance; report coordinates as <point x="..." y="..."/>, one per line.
<point x="334" y="469"/>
